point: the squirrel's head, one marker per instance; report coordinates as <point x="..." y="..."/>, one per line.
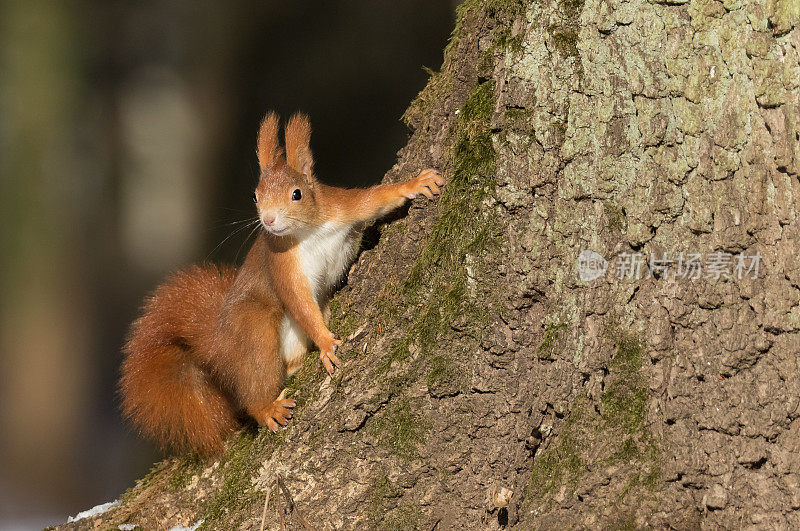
<point x="285" y="196"/>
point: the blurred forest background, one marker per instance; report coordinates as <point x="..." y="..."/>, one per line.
<point x="127" y="147"/>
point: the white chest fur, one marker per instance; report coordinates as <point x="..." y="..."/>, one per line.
<point x="324" y="256"/>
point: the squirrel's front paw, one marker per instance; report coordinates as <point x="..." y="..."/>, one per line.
<point x="327" y="355"/>
<point x="426" y="183"/>
<point x="279" y="412"/>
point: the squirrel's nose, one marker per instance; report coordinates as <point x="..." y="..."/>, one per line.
<point x="268" y="220"/>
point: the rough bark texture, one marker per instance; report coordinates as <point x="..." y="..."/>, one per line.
<point x="476" y="359"/>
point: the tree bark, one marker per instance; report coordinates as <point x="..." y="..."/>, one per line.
<point x="484" y="382"/>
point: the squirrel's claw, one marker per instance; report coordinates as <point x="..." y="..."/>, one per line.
<point x="329" y="358"/>
<point x="427" y="183"/>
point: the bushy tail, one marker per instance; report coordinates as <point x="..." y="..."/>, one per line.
<point x="166" y="393"/>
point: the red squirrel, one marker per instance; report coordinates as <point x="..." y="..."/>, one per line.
<point x="215" y="342"/>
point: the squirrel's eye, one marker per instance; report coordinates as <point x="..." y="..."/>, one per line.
<point x="255" y="199"/>
<point x="296" y="195"/>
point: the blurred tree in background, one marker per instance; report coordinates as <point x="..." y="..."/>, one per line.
<point x="126" y="151"/>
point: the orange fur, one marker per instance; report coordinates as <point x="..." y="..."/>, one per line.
<point x="165" y="391"/>
<point x="298" y="148"/>
<point x="293" y="289"/>
<point x="267" y="143"/>
<point x="246" y="337"/>
<point x="214" y="342"/>
<point x="363" y="204"/>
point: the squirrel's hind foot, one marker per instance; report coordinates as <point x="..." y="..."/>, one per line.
<point x="279" y="412"/>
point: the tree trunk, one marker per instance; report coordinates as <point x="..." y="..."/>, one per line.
<point x="488" y="378"/>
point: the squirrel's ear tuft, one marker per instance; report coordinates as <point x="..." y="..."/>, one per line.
<point x="268" y="149"/>
<point x="298" y="149"/>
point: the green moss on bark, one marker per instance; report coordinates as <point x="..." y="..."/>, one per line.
<point x="614" y="215"/>
<point x="400" y="427"/>
<point x="379" y="499"/>
<point x="552" y="336"/>
<point x="229" y="502"/>
<point x="438" y="281"/>
<point x="617" y="435"/>
<point x="439" y="85"/>
<point x="236" y="491"/>
<point x="561" y="463"/>
<point x="624" y="399"/>
<point x="382" y="511"/>
<point x="565" y="32"/>
<point x="186" y="467"/>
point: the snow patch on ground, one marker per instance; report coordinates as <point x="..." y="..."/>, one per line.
<point x="94" y="511"/>
<point x="192" y="528"/>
